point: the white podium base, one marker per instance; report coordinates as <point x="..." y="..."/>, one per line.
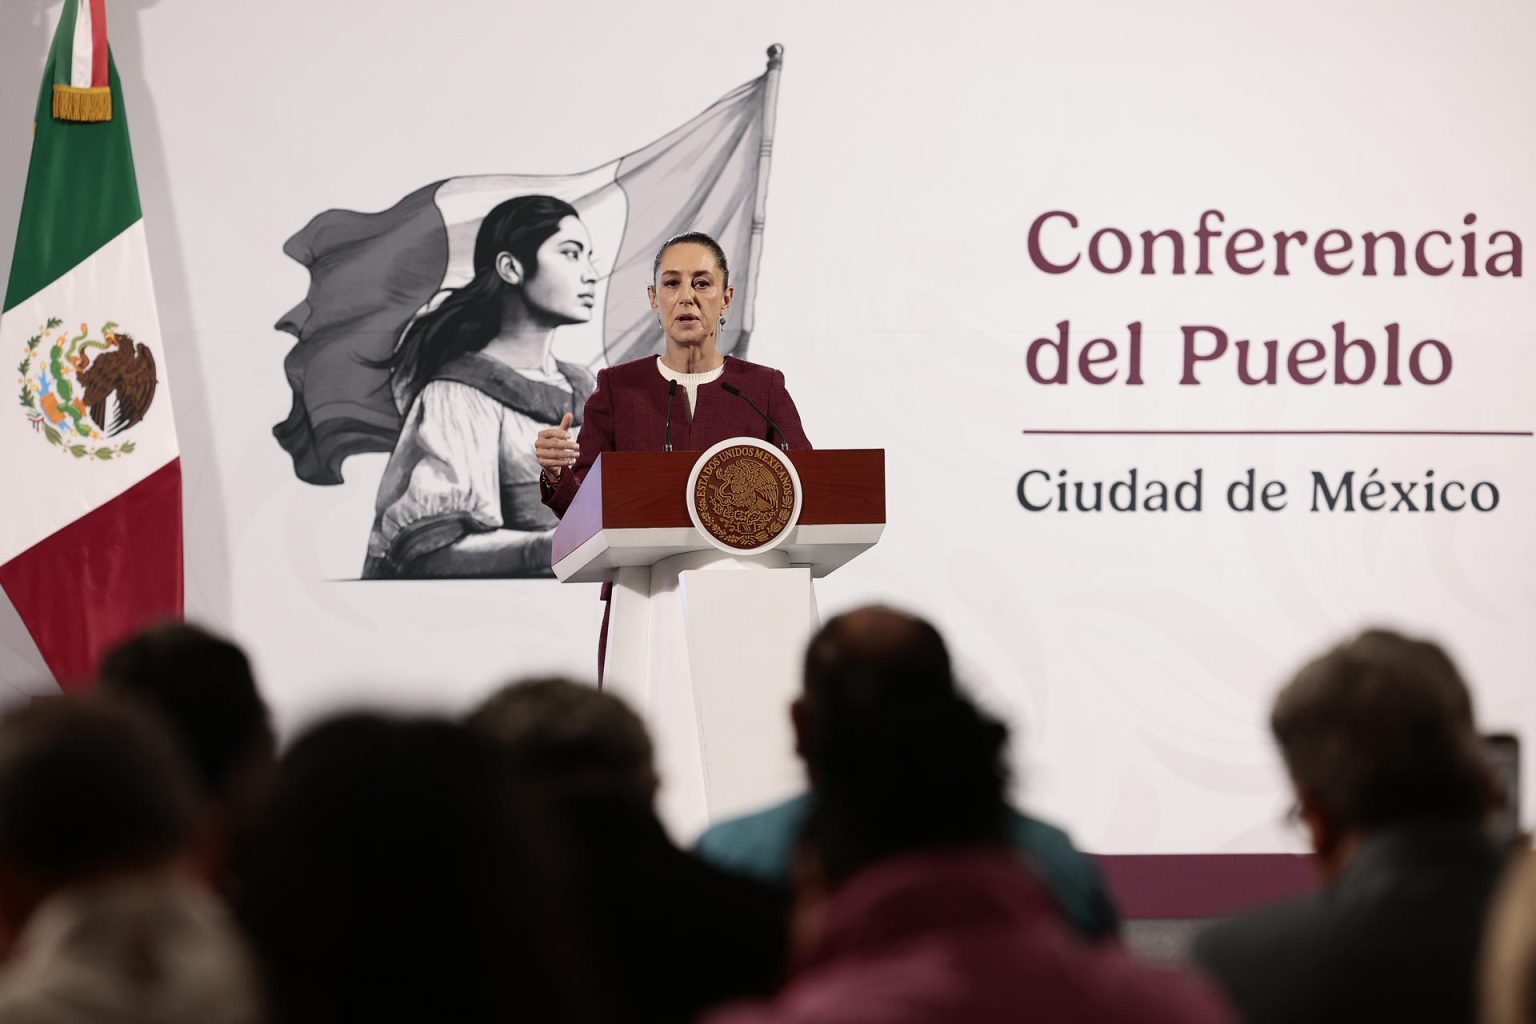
<point x="711" y="659"/>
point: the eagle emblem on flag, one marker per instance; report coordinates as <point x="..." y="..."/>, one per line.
<point x="80" y="392"/>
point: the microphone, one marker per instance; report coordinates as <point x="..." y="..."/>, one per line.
<point x="666" y="437"/>
<point x="732" y="389"/>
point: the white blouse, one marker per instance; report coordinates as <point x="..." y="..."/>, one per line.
<point x="459" y="451"/>
<point x="690" y="381"/>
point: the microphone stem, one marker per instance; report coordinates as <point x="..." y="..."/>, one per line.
<point x="666" y="439"/>
<point x="773" y="427"/>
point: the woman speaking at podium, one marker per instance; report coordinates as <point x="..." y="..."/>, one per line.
<point x="687" y="399"/>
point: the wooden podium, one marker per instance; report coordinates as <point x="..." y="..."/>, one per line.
<point x="711" y="657"/>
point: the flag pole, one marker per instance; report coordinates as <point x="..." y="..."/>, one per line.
<point x="760" y="202"/>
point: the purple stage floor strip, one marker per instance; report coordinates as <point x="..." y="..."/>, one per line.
<point x="1186" y="885"/>
<point x="1277" y="433"/>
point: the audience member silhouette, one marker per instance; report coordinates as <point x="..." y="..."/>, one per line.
<point x="101" y="915"/>
<point x="202" y="687"/>
<point x="912" y="906"/>
<point x="397" y="875"/>
<point x="513" y="867"/>
<point x="1390" y="782"/>
<point x="571" y="736"/>
<point x="762" y="844"/>
<point x="672" y="934"/>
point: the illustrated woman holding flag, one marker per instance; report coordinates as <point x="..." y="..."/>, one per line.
<point x="476" y="382"/>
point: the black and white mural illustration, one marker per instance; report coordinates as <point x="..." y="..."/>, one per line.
<point x="450" y="328"/>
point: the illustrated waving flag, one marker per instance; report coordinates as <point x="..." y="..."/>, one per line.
<point x="372" y="273"/>
<point x="90" y="543"/>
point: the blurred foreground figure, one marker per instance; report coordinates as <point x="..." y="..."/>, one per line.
<point x="911" y="671"/>
<point x="101" y="914"/>
<point x="672" y="935"/>
<point x="201" y="686"/>
<point x="1509" y="948"/>
<point x="1390" y="782"/>
<point x="912" y="905"/>
<point x="397" y="876"/>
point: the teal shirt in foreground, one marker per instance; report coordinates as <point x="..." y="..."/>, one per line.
<point x="762" y="846"/>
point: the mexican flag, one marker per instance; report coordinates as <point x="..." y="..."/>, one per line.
<point x="90" y="542"/>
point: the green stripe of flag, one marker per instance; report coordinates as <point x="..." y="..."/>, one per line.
<point x="81" y="191"/>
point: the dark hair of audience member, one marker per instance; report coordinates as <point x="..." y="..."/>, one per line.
<point x="1380" y="730"/>
<point x="900" y="759"/>
<point x="558" y="730"/>
<point x="87" y="789"/>
<point x="203" y="687"/>
<point x="672" y="934"/>
<point x="398" y="876"/>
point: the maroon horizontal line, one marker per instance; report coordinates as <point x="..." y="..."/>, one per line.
<point x="1282" y="433"/>
<point x="1186" y="886"/>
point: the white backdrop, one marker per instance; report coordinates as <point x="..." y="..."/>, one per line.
<point x="1135" y="654"/>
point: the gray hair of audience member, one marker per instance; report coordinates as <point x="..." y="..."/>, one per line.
<point x="561" y="731"/>
<point x="1509" y="947"/>
<point x="87" y="788"/>
<point x="1380" y="729"/>
<point x="202" y="686"/>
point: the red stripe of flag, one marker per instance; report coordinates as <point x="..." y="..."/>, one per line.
<point x="106" y="575"/>
<point x="99" y="43"/>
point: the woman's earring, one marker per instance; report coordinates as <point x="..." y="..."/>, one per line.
<point x="722" y="319"/>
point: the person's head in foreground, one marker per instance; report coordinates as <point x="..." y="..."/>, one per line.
<point x="913" y="907"/>
<point x="900" y="758"/>
<point x="1377" y="732"/>
<point x="1377" y="735"/>
<point x="101" y="911"/>
<point x="202" y="687"/>
<point x="398" y="875"/>
<point x="672" y="934"/>
<point x="88" y="792"/>
<point x="563" y="732"/>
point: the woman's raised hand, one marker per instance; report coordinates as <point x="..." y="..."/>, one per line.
<point x="554" y="448"/>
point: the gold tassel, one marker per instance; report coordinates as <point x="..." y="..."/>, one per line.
<point x="71" y="103"/>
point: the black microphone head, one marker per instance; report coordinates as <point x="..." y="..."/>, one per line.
<point x="671" y="387"/>
<point x="730" y="389"/>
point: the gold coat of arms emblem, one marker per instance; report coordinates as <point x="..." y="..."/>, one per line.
<point x="744" y="494"/>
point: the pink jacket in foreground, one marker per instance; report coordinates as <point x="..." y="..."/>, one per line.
<point x="968" y="936"/>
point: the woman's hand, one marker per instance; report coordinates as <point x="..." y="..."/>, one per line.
<point x="554" y="448"/>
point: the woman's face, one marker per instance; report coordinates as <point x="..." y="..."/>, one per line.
<point x="564" y="288"/>
<point x="689" y="295"/>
